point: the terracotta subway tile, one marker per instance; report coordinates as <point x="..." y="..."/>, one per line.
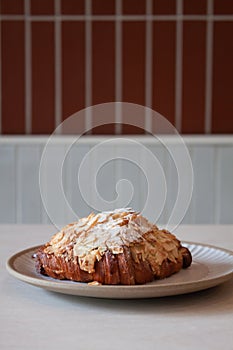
<point x="12" y="7"/>
<point x="164" y="7"/>
<point x="223" y="7"/>
<point x="103" y="74"/>
<point x="103" y="55"/>
<point x="194" y="56"/>
<point x="39" y="7"/>
<point x="222" y="121"/>
<point x="164" y="45"/>
<point x="133" y="67"/>
<point x="42" y="77"/>
<point x="13" y="82"/>
<point x="132" y="7"/>
<point x="72" y="7"/>
<point x="194" y="7"/>
<point x="73" y="68"/>
<point x="103" y="7"/>
<point x="103" y="65"/>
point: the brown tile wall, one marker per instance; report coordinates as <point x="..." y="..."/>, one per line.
<point x="164" y="7"/>
<point x="222" y="118"/>
<point x="43" y="88"/>
<point x="42" y="7"/>
<point x="133" y="63"/>
<point x="103" y="85"/>
<point x="73" y="67"/>
<point x="164" y="51"/>
<point x="193" y="85"/>
<point x="59" y="35"/>
<point x="72" y="7"/>
<point x="13" y="82"/>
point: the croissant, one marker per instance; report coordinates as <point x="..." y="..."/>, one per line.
<point x="115" y="247"/>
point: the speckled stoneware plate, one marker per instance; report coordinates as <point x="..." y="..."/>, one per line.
<point x="211" y="266"/>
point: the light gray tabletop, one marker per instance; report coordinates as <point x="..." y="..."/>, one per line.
<point x="32" y="318"/>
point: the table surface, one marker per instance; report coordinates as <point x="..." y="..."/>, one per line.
<point x="33" y="318"/>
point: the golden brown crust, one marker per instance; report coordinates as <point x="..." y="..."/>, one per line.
<point x="187" y="257"/>
<point x="118" y="247"/>
<point x="111" y="269"/>
<point x="125" y="266"/>
<point x="142" y="272"/>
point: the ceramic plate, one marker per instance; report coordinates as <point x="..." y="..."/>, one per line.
<point x="211" y="266"/>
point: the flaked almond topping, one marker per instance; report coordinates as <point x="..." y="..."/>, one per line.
<point x="95" y="283"/>
<point x="92" y="236"/>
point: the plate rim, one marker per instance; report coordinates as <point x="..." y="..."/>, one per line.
<point x="43" y="282"/>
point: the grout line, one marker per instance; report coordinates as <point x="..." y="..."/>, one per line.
<point x="28" y="69"/>
<point x="88" y="68"/>
<point x="118" y="68"/>
<point x="0" y="76"/>
<point x="58" y="80"/>
<point x="209" y="69"/>
<point x="179" y="63"/>
<point x="148" y="67"/>
<point x="44" y="18"/>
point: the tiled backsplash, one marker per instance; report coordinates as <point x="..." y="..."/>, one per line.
<point x="59" y="56"/>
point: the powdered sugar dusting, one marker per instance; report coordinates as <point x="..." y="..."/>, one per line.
<point x="92" y="236"/>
